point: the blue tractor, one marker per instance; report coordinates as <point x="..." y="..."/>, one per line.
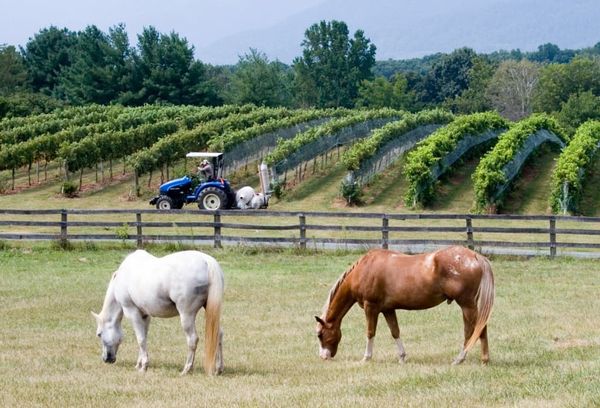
<point x="211" y="191"/>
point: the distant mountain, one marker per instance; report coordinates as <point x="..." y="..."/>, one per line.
<point x="404" y="29"/>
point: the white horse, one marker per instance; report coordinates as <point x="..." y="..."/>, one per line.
<point x="177" y="284"/>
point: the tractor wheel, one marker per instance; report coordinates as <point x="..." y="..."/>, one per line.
<point x="213" y="199"/>
<point x="164" y="203"/>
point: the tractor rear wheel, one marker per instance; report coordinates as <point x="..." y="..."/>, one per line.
<point x="212" y="198"/>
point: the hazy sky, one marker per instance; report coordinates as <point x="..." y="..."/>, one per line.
<point x="210" y="20"/>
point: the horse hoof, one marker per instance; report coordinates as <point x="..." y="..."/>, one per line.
<point x="365" y="359"/>
<point x="457" y="362"/>
<point x="402" y="359"/>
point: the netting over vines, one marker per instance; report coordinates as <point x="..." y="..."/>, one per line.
<point x="389" y="153"/>
<point x="373" y="154"/>
<point x="436" y="154"/>
<point x="572" y="168"/>
<point x="515" y="165"/>
<point x="327" y="142"/>
<point x="258" y="147"/>
<point x="499" y="166"/>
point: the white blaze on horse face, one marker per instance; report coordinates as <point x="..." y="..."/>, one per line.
<point x="324" y="353"/>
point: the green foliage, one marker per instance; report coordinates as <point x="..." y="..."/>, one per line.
<point x="559" y="81"/>
<point x="474" y="98"/>
<point x="287" y="147"/>
<point x="351" y="191"/>
<point x="5" y="183"/>
<point x="381" y="93"/>
<point x="122" y="232"/>
<point x="578" y="109"/>
<point x="228" y="141"/>
<point x="165" y="71"/>
<point x="427" y="156"/>
<point x="551" y="53"/>
<point x="258" y="81"/>
<point x="365" y="148"/>
<point x="100" y="64"/>
<point x="93" y="66"/>
<point x="69" y="189"/>
<point x="13" y="75"/>
<point x="277" y="188"/>
<point x="23" y="104"/>
<point x="174" y="146"/>
<point x="572" y="166"/>
<point x="332" y="65"/>
<point x="449" y="76"/>
<point x="85" y="136"/>
<point x="46" y="56"/>
<point x="489" y="174"/>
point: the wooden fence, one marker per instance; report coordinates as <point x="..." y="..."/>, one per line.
<point x="536" y="235"/>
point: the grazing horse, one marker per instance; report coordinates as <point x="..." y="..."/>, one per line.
<point x="177" y="284"/>
<point x="382" y="281"/>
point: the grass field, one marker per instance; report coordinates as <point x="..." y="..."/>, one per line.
<point x="544" y="338"/>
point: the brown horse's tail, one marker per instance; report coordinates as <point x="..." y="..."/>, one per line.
<point x="485" y="301"/>
<point x="213" y="316"/>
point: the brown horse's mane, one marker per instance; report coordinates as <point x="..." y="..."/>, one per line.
<point x="335" y="288"/>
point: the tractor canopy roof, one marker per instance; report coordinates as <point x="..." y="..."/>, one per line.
<point x="204" y="154"/>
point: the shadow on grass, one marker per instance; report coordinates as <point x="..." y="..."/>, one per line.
<point x="455" y="191"/>
<point x="389" y="186"/>
<point x="531" y="189"/>
<point x="318" y="183"/>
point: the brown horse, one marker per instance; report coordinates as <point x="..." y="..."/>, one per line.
<point x="382" y="281"/>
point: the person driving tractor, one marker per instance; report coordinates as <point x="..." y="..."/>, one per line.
<point x="205" y="170"/>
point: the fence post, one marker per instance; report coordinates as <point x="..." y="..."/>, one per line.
<point x="302" y="219"/>
<point x="552" y="236"/>
<point x="385" y="231"/>
<point x="63" y="228"/>
<point x="217" y="226"/>
<point x="470" y="243"/>
<point x="138" y="220"/>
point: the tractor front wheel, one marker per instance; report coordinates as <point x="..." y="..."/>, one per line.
<point x="212" y="199"/>
<point x="165" y="203"/>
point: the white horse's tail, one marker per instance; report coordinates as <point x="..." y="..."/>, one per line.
<point x="213" y="316"/>
<point x="485" y="301"/>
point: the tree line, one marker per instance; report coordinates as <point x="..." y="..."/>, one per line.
<point x="58" y="67"/>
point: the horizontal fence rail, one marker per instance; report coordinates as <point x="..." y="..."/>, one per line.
<point x="511" y="234"/>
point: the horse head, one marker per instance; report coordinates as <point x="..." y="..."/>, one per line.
<point x="110" y="334"/>
<point x="329" y="336"/>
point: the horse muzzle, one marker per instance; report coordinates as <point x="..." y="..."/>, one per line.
<point x="325" y="354"/>
<point x="110" y="359"/>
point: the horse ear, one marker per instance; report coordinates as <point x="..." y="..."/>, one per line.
<point x="96" y="317"/>
<point x="319" y="320"/>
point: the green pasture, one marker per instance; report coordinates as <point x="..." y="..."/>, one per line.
<point x="544" y="338"/>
